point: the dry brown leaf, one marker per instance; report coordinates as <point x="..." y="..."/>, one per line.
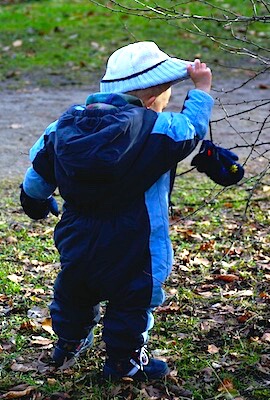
<point x="212" y="349"/>
<point x="264" y="295"/>
<point x="150" y="392"/>
<point x="28" y="325"/>
<point x="263" y="86"/>
<point x="60" y="396"/>
<point x="226" y="386"/>
<point x="11" y="239"/>
<point x="244" y="317"/>
<point x="18" y="394"/>
<point x="208" y="245"/>
<point x="3" y="298"/>
<point x="207" y="374"/>
<point x="170" y="309"/>
<point x="14" y="278"/>
<point x="266" y="337"/>
<point x="51" y="381"/>
<point x="206" y="295"/>
<point x="41" y="341"/>
<point x="18" y="367"/>
<point x="227" y="277"/>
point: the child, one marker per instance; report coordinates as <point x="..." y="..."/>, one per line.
<point x="111" y="160"/>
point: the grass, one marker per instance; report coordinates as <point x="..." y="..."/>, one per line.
<point x="213" y="329"/>
<point x="49" y="41"/>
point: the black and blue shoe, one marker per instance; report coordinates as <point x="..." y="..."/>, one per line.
<point x="138" y="367"/>
<point x="67" y="350"/>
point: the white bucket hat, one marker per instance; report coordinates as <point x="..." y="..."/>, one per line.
<point x="139" y="66"/>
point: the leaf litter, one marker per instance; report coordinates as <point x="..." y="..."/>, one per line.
<point x="213" y="329"/>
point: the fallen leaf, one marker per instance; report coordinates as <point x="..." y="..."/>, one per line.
<point x="14" y="278"/>
<point x="206" y="295"/>
<point x="47" y="325"/>
<point x="266" y="337"/>
<point x="212" y="349"/>
<point x="17" y="43"/>
<point x="59" y="396"/>
<point x="226" y="386"/>
<point x="264" y="295"/>
<point x="28" y="325"/>
<point x="3" y="298"/>
<point x="208" y="245"/>
<point x="18" y="394"/>
<point x="51" y="381"/>
<point x="244" y="317"/>
<point x="41" y="341"/>
<point x="170" y="309"/>
<point x="11" y="239"/>
<point x="263" y="86"/>
<point x="207" y="374"/>
<point x="19" y="367"/>
<point x="227" y="277"/>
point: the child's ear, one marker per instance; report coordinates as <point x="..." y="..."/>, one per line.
<point x="148" y="102"/>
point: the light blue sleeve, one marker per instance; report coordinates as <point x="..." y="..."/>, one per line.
<point x="192" y="121"/>
<point x="40" y="142"/>
<point x="33" y="184"/>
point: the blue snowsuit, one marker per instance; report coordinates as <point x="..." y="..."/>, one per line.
<point x="111" y="161"/>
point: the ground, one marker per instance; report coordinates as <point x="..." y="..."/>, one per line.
<point x="25" y="113"/>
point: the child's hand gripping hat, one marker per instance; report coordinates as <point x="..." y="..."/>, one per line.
<point x="141" y="65"/>
<point x="219" y="164"/>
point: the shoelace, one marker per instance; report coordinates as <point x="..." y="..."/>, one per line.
<point x="143" y="360"/>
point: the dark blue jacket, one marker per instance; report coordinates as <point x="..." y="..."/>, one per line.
<point x="108" y="154"/>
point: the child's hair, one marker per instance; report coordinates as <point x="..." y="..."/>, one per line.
<point x="144" y="94"/>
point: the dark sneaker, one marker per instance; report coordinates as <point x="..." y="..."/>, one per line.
<point x="138" y="367"/>
<point x="70" y="350"/>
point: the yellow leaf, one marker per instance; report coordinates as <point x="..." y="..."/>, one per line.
<point x="47" y="326"/>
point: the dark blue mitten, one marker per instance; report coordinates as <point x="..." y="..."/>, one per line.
<point x="38" y="209"/>
<point x="218" y="164"/>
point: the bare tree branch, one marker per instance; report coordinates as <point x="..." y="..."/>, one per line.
<point x="242" y="36"/>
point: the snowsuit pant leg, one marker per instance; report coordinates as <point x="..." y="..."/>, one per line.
<point x="128" y="317"/>
<point x="74" y="310"/>
<point x="72" y="316"/>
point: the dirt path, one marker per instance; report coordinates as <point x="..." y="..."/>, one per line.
<point x="24" y="114"/>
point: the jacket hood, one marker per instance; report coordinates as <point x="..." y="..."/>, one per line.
<point x="99" y="145"/>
